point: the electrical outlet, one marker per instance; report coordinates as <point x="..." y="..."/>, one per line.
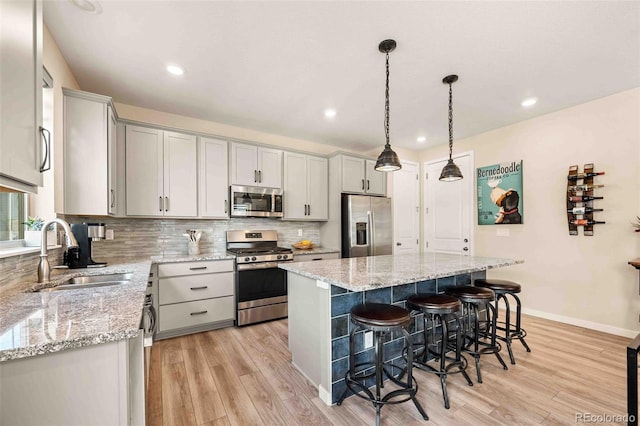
<point x="299" y="232"/>
<point x="109" y="234"/>
<point x="368" y="339"/>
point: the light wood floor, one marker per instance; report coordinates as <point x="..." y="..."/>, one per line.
<point x="243" y="376"/>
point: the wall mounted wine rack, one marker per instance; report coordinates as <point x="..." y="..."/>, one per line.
<point x="580" y="198"/>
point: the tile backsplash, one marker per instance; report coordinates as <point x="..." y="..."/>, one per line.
<point x="163" y="237"/>
<point x="156" y="237"/>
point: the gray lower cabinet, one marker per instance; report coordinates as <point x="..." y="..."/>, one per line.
<point x="93" y="385"/>
<point x="195" y="296"/>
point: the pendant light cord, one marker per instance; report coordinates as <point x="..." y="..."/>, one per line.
<point x="386" y="106"/>
<point x="450" y="122"/>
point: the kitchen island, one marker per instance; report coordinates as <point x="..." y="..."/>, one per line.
<point x="321" y="295"/>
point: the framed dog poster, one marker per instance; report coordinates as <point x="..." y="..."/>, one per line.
<point x="500" y="194"/>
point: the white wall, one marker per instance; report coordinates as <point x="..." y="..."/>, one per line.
<point x="575" y="279"/>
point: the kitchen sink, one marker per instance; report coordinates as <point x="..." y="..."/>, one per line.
<point x="91" y="281"/>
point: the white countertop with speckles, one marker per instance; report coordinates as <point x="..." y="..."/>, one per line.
<point x="36" y="323"/>
<point x="368" y="273"/>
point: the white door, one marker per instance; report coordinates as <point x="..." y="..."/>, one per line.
<point x="449" y="208"/>
<point x="406" y="209"/>
<point x="180" y="175"/>
<point x="295" y="185"/>
<point x="143" y="152"/>
<point x="213" y="177"/>
<point x="317" y="188"/>
<point x="376" y="182"/>
<point x="353" y="175"/>
<point x="269" y="167"/>
<point x="244" y="165"/>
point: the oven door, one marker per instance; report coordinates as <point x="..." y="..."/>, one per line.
<point x="260" y="284"/>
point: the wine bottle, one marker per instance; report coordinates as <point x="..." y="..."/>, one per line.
<point x="585" y="222"/>
<point x="583" y="210"/>
<point x="584" y="187"/>
<point x="580" y="198"/>
<point x="584" y="175"/>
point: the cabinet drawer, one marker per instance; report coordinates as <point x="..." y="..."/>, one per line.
<point x="199" y="312"/>
<point x="311" y="257"/>
<point x="195" y="287"/>
<point x="192" y="268"/>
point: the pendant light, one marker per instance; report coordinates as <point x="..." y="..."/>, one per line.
<point x="450" y="171"/>
<point x="388" y="160"/>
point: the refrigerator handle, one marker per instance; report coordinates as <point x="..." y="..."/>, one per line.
<point x="372" y="242"/>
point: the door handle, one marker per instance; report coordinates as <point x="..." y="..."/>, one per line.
<point x="197" y="268"/>
<point x="259" y="176"/>
<point x="466" y="240"/>
<point x="368" y="185"/>
<point x="225" y="206"/>
<point x="166" y="206"/>
<point x="308" y="209"/>
<point x="398" y="244"/>
<point x="198" y="313"/>
<point x="363" y="184"/>
<point x="47" y="147"/>
<point x="305" y="209"/>
<point x="202" y="287"/>
<point x="160" y="203"/>
<point x="465" y="248"/>
<point x="113" y="198"/>
<point x="255" y="176"/>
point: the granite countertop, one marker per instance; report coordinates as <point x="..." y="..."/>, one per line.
<point x="36" y="323"/>
<point x="315" y="250"/>
<point x="367" y="273"/>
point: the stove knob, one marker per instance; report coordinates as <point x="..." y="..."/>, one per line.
<point x="285" y="256"/>
<point x="279" y="257"/>
<point x="253" y="258"/>
<point x="246" y="259"/>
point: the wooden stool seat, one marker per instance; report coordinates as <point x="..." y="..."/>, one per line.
<point x="435" y="303"/>
<point x="499" y="286"/>
<point x="380" y="315"/>
<point x="471" y="294"/>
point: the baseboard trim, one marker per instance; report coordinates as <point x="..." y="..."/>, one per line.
<point x="582" y="323"/>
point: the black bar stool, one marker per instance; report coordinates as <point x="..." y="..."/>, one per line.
<point x="502" y="288"/>
<point x="473" y="299"/>
<point x="381" y="319"/>
<point x="440" y="309"/>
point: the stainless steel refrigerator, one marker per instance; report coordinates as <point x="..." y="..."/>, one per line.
<point x="367" y="227"/>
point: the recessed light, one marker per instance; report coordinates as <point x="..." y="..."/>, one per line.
<point x="421" y="139"/>
<point x="89" y="6"/>
<point x="330" y="113"/>
<point x="175" y="70"/>
<point x="529" y="102"/>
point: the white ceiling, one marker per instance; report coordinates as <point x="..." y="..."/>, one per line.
<point x="275" y="66"/>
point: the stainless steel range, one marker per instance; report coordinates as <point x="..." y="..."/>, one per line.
<point x="261" y="287"/>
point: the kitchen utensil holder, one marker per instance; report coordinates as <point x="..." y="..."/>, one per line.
<point x="193" y="247"/>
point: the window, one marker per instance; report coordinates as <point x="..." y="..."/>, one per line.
<point x="12" y="214"/>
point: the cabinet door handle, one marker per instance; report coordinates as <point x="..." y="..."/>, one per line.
<point x="113" y="198"/>
<point x="47" y="147"/>
<point x="305" y="209"/>
<point x="202" y="287"/>
<point x="160" y="203"/>
<point x="197" y="268"/>
<point x="255" y="176"/>
<point x="308" y="209"/>
<point x="368" y="186"/>
<point x="198" y="313"/>
<point x="259" y="176"/>
<point x="317" y="258"/>
<point x="225" y="206"/>
<point x="166" y="205"/>
<point x="363" y="184"/>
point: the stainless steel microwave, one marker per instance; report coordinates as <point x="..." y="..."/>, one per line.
<point x="253" y="201"/>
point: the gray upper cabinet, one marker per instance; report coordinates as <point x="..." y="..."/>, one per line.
<point x="21" y="142"/>
<point x="306" y="180"/>
<point x="255" y="166"/>
<point x="360" y="177"/>
<point x="90" y="175"/>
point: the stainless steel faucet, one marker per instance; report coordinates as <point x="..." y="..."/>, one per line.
<point x="44" y="270"/>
